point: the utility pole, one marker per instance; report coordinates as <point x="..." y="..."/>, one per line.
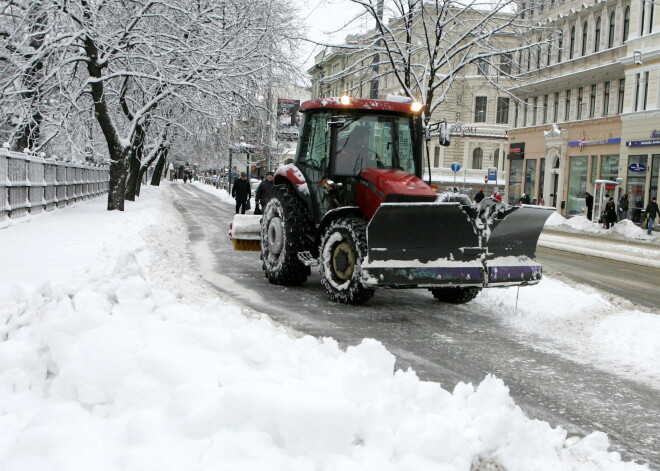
<point x="373" y="89"/>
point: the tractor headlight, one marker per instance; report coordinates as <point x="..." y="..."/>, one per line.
<point x="345" y="100"/>
<point x="415" y="107"/>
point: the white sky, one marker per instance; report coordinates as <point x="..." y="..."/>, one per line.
<point x="326" y="21"/>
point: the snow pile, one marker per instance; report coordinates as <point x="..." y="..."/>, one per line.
<point x="629" y="230"/>
<point x="583" y="324"/>
<point x="555" y="219"/>
<point x="137" y="366"/>
<point x="623" y="230"/>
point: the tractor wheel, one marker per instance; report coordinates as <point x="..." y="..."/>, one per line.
<point x="285" y="231"/>
<point x="455" y="295"/>
<point x="343" y="247"/>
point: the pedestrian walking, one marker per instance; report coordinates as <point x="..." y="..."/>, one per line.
<point x="185" y="177"/>
<point x="651" y="213"/>
<point x="624" y="208"/>
<point x="589" y="202"/>
<point x="479" y="196"/>
<point x="610" y="213"/>
<point x="264" y="193"/>
<point x="241" y="193"/>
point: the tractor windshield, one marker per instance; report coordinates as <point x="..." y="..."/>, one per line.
<point x="373" y="141"/>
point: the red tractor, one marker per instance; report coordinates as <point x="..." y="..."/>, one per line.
<point x="353" y="203"/>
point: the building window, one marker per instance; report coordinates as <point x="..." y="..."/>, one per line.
<point x="560" y="46"/>
<point x="636" y="95"/>
<point x="515" y="124"/>
<point x="496" y="158"/>
<point x="642" y="25"/>
<point x="529" y="58"/>
<point x="477" y="158"/>
<point x="480" y="109"/>
<point x="525" y="106"/>
<point x="610" y="37"/>
<point x="577" y="184"/>
<point x="530" y="177"/>
<point x="597" y="36"/>
<point x="545" y="109"/>
<point x="567" y="106"/>
<point x="555" y="114"/>
<point x="571" y="50"/>
<point x="652" y="10"/>
<point x="502" y="115"/>
<point x="436" y="157"/>
<point x="622" y="88"/>
<point x="606" y="99"/>
<point x="505" y="64"/>
<point x="482" y="67"/>
<point x="646" y="88"/>
<point x="585" y="29"/>
<point x="580" y="102"/>
<point x="592" y="102"/>
<point x="626" y="24"/>
<point x="538" y="54"/>
<point x="535" y="110"/>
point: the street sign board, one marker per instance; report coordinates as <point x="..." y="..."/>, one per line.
<point x="455" y="167"/>
<point x="492" y="174"/>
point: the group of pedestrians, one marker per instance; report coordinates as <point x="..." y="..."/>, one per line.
<point x="241" y="192"/>
<point x="612" y="214"/>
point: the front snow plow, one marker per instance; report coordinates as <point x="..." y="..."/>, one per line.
<point x="431" y="245"/>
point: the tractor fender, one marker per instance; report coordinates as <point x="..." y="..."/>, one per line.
<point x="332" y="215"/>
<point x="291" y="175"/>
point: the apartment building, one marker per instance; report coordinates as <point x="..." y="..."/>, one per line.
<point x="478" y="111"/>
<point x="589" y="104"/>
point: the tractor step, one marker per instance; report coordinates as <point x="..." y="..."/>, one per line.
<point x="307" y="259"/>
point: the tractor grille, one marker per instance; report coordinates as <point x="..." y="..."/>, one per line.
<point x="394" y="198"/>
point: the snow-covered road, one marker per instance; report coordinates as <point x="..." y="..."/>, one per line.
<point x="448" y="344"/>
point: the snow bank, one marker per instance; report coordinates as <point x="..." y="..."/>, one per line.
<point x="581" y="323"/>
<point x="136" y="365"/>
<point x="623" y="230"/>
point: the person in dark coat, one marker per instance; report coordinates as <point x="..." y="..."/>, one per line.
<point x="589" y="202"/>
<point x="241" y="193"/>
<point x="624" y="208"/>
<point x="264" y="192"/>
<point x="610" y="213"/>
<point x="479" y="196"/>
<point x="651" y="213"/>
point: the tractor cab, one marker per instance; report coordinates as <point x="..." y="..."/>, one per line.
<point x="363" y="145"/>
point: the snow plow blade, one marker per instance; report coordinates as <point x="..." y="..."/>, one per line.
<point x="245" y="232"/>
<point x="428" y="245"/>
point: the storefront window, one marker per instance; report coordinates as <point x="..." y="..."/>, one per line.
<point x="515" y="181"/>
<point x="530" y="177"/>
<point x="609" y="167"/>
<point x="655" y="169"/>
<point x="577" y="184"/>
<point x="636" y="183"/>
<point x="594" y="168"/>
<point x="541" y="178"/>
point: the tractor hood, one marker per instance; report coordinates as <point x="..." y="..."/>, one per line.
<point x="390" y="186"/>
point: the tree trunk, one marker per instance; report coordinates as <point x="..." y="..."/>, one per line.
<point x="133" y="177"/>
<point x="117" y="183"/>
<point x="158" y="170"/>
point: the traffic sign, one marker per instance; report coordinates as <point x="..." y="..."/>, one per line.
<point x="455" y="167"/>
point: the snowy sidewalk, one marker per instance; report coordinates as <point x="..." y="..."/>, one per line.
<point x="625" y="242"/>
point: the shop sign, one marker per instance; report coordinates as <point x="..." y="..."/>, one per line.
<point x="584" y="141"/>
<point x="516" y="151"/>
<point x="459" y="129"/>
<point x="637" y="167"/>
<point x="648" y="142"/>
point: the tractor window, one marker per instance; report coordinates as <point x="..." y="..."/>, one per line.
<point x="374" y="142"/>
<point x="314" y="151"/>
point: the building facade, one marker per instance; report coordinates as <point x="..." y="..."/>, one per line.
<point x="589" y="104"/>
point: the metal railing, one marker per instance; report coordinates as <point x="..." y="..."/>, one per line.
<point x="30" y="185"/>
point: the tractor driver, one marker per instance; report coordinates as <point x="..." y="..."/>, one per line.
<point x="353" y="152"/>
